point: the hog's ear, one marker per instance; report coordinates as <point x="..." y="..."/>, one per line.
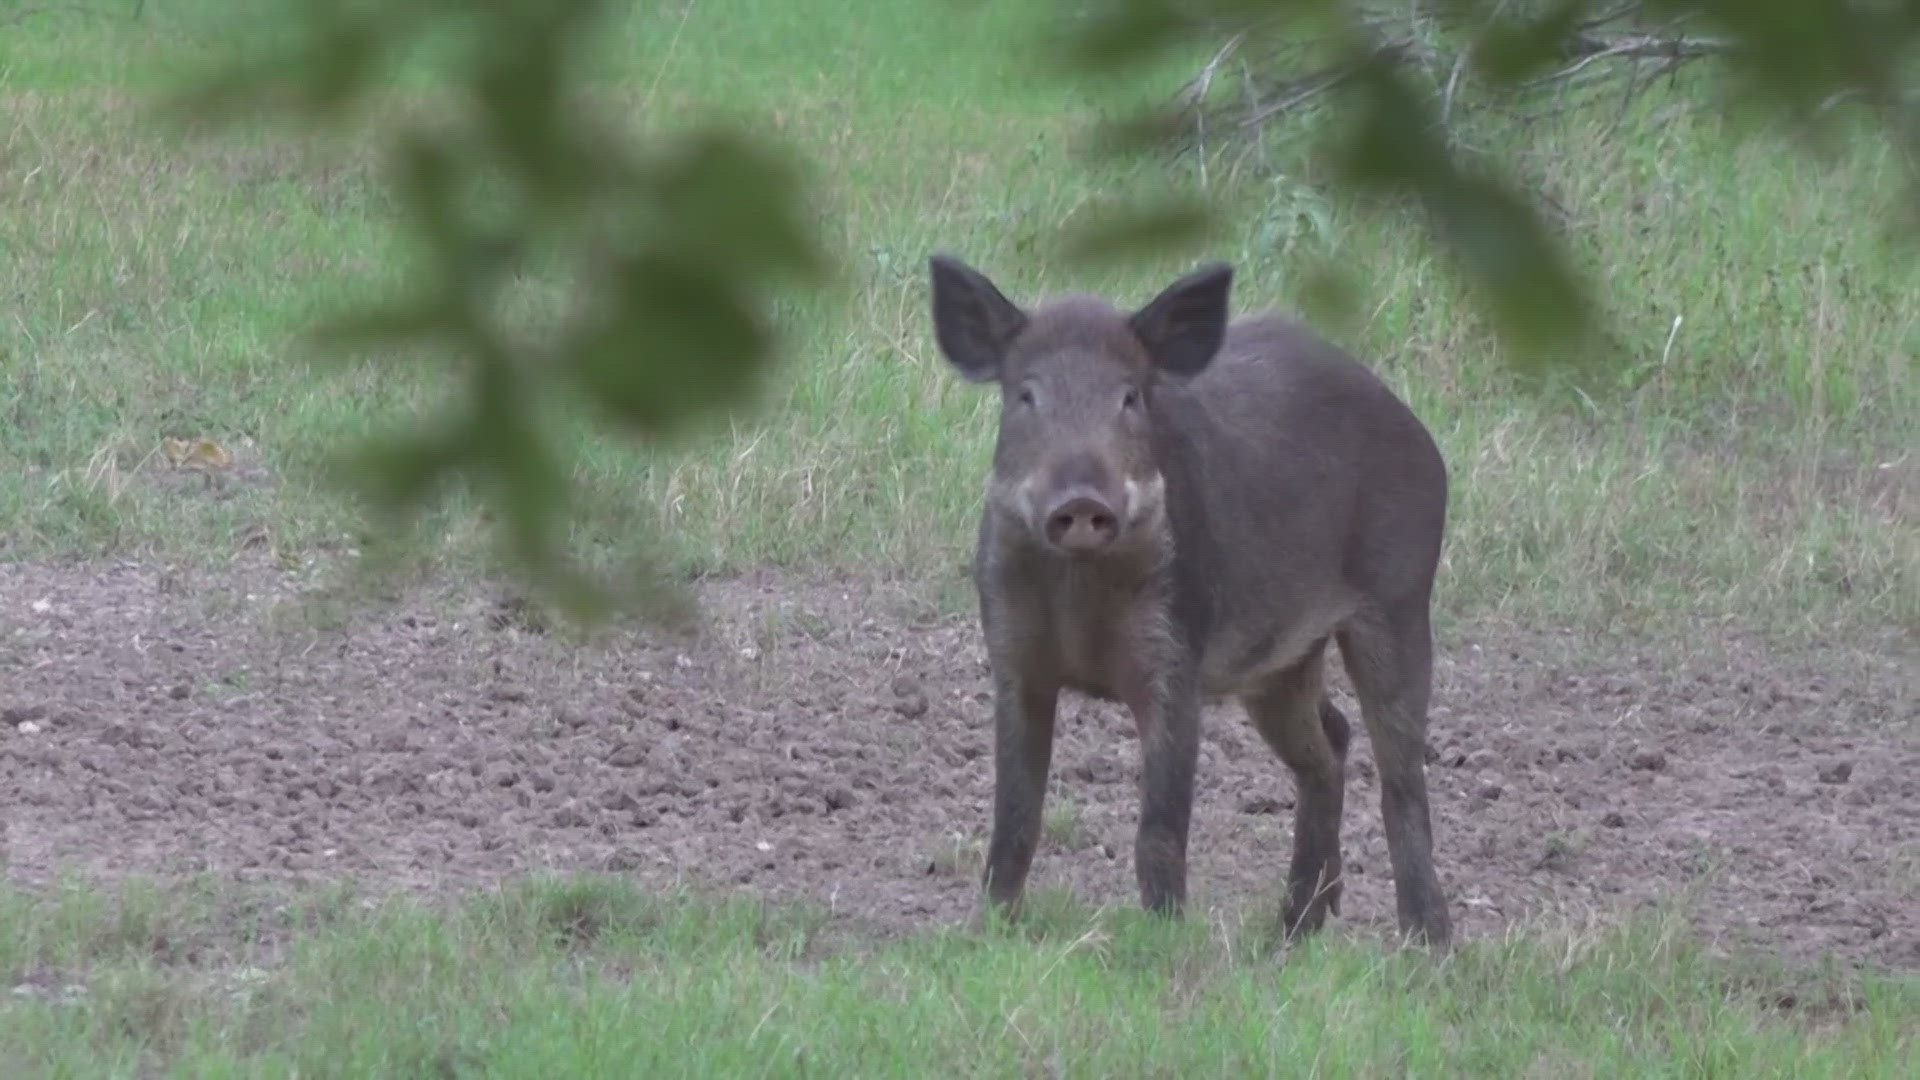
<point x="1182" y="327"/>
<point x="972" y="321"/>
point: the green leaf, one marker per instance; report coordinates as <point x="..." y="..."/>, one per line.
<point x="380" y="328"/>
<point x="519" y="98"/>
<point x="1518" y="47"/>
<point x="399" y="473"/>
<point x="227" y="95"/>
<point x="1505" y="251"/>
<point x="1144" y="130"/>
<point x="731" y="203"/>
<point x="1328" y="293"/>
<point x="1498" y="242"/>
<point x="425" y="177"/>
<point x="1145" y="230"/>
<point x="679" y="340"/>
<point x="1395" y="144"/>
<point x="342" y="64"/>
<point x="1124" y="35"/>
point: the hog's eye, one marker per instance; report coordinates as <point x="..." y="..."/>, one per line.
<point x="1025" y="396"/>
<point x="1131" y="399"/>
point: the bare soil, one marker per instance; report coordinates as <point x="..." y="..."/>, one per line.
<point x="829" y="741"/>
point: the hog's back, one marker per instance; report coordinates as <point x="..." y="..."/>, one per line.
<point x="1300" y="491"/>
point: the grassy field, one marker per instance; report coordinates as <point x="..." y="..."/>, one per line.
<point x="1755" y="460"/>
<point x="1754" y="468"/>
<point x="586" y="977"/>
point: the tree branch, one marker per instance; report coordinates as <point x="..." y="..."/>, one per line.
<point x="1618" y="33"/>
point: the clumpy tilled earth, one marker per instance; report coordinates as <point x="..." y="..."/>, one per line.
<point x="828" y="742"/>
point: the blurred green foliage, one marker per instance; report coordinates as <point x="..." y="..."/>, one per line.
<point x="1388" y="70"/>
<point x="673" y="250"/>
<point x="678" y="246"/>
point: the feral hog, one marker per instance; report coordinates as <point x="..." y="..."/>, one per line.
<point x="1187" y="509"/>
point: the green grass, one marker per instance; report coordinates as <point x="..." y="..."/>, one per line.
<point x="588" y="977"/>
<point x="1754" y="461"/>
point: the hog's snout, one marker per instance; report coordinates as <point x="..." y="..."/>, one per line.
<point x="1081" y="522"/>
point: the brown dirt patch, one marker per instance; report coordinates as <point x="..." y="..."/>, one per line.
<point x="829" y="742"/>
